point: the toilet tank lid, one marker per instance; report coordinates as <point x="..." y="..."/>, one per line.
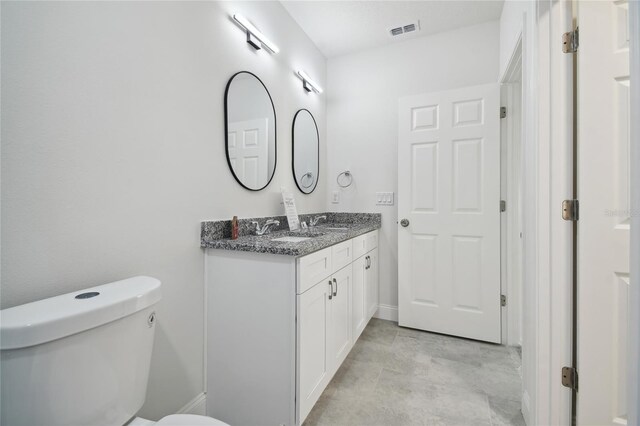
<point x="60" y="316"/>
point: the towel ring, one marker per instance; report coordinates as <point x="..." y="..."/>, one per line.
<point x="346" y="181"/>
<point x="310" y="175"/>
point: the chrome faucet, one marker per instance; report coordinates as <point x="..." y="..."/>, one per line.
<point x="315" y="220"/>
<point x="265" y="228"/>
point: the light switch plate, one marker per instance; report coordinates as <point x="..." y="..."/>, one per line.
<point x="384" y="198"/>
<point x="335" y="198"/>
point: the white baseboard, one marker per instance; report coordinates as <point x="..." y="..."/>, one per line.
<point x="526" y="409"/>
<point x="197" y="405"/>
<point x="387" y="312"/>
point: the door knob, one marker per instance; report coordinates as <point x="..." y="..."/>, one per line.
<point x="404" y="222"/>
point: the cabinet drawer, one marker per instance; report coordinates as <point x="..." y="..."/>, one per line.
<point x="341" y="255"/>
<point x="359" y="246"/>
<point x="313" y="268"/>
<point x="364" y="243"/>
<point x="371" y="240"/>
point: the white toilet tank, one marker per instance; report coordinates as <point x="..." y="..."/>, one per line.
<point x="78" y="359"/>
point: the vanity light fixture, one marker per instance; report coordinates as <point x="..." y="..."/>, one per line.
<point x="309" y="84"/>
<point x="254" y="37"/>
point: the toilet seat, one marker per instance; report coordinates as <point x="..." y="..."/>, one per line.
<point x="189" y="420"/>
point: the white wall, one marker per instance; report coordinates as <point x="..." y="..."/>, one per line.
<point x="113" y="152"/>
<point x="511" y="23"/>
<point x="362" y="113"/>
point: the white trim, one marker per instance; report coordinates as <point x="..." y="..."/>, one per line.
<point x="387" y="312"/>
<point x="205" y="337"/>
<point x="634" y="296"/>
<point x="197" y="405"/>
<point x="529" y="177"/>
<point x="560" y="250"/>
<point x="525" y="406"/>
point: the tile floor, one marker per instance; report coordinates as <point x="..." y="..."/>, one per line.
<point x="399" y="376"/>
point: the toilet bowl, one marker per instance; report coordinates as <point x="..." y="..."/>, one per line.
<point x="82" y="358"/>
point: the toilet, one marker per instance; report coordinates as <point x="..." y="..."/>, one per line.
<point x="82" y="358"/>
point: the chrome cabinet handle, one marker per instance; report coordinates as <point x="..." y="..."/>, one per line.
<point x="335" y="293"/>
<point x="330" y="290"/>
<point x="404" y="223"/>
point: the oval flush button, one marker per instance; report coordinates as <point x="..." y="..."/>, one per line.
<point x="88" y="295"/>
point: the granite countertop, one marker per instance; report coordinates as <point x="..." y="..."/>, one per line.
<point x="216" y="234"/>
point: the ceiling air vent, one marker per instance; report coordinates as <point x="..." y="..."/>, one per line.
<point x="409" y="28"/>
<point x="404" y="29"/>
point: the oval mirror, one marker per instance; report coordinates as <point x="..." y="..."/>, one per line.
<point x="306" y="148"/>
<point x="250" y="131"/>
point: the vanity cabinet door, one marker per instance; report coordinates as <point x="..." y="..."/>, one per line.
<point x="339" y="336"/>
<point x="359" y="306"/>
<point x="371" y="283"/>
<point x="313" y="362"/>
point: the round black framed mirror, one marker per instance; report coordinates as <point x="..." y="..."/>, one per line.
<point x="250" y="131"/>
<point x="306" y="151"/>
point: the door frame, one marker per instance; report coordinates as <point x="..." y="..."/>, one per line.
<point x="633" y="408"/>
<point x="547" y="174"/>
<point x="510" y="192"/>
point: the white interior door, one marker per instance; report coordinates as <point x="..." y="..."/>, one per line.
<point x="249" y="151"/>
<point x="604" y="222"/>
<point x="449" y="191"/>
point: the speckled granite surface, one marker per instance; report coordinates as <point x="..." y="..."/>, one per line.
<point x="217" y="234"/>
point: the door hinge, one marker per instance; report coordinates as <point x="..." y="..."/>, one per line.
<point x="503" y="206"/>
<point x="570" y="41"/>
<point x="503" y="112"/>
<point x="503" y="300"/>
<point x="570" y="377"/>
<point x="570" y="210"/>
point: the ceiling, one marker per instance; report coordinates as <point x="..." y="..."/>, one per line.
<point x="340" y="27"/>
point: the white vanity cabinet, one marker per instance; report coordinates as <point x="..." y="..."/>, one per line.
<point x="279" y="327"/>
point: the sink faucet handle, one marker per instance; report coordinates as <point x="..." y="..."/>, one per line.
<point x="315" y="220"/>
<point x="263" y="230"/>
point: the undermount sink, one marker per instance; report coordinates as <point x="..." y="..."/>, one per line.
<point x="334" y="227"/>
<point x="307" y="234"/>
<point x="291" y="239"/>
<point x="298" y="236"/>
